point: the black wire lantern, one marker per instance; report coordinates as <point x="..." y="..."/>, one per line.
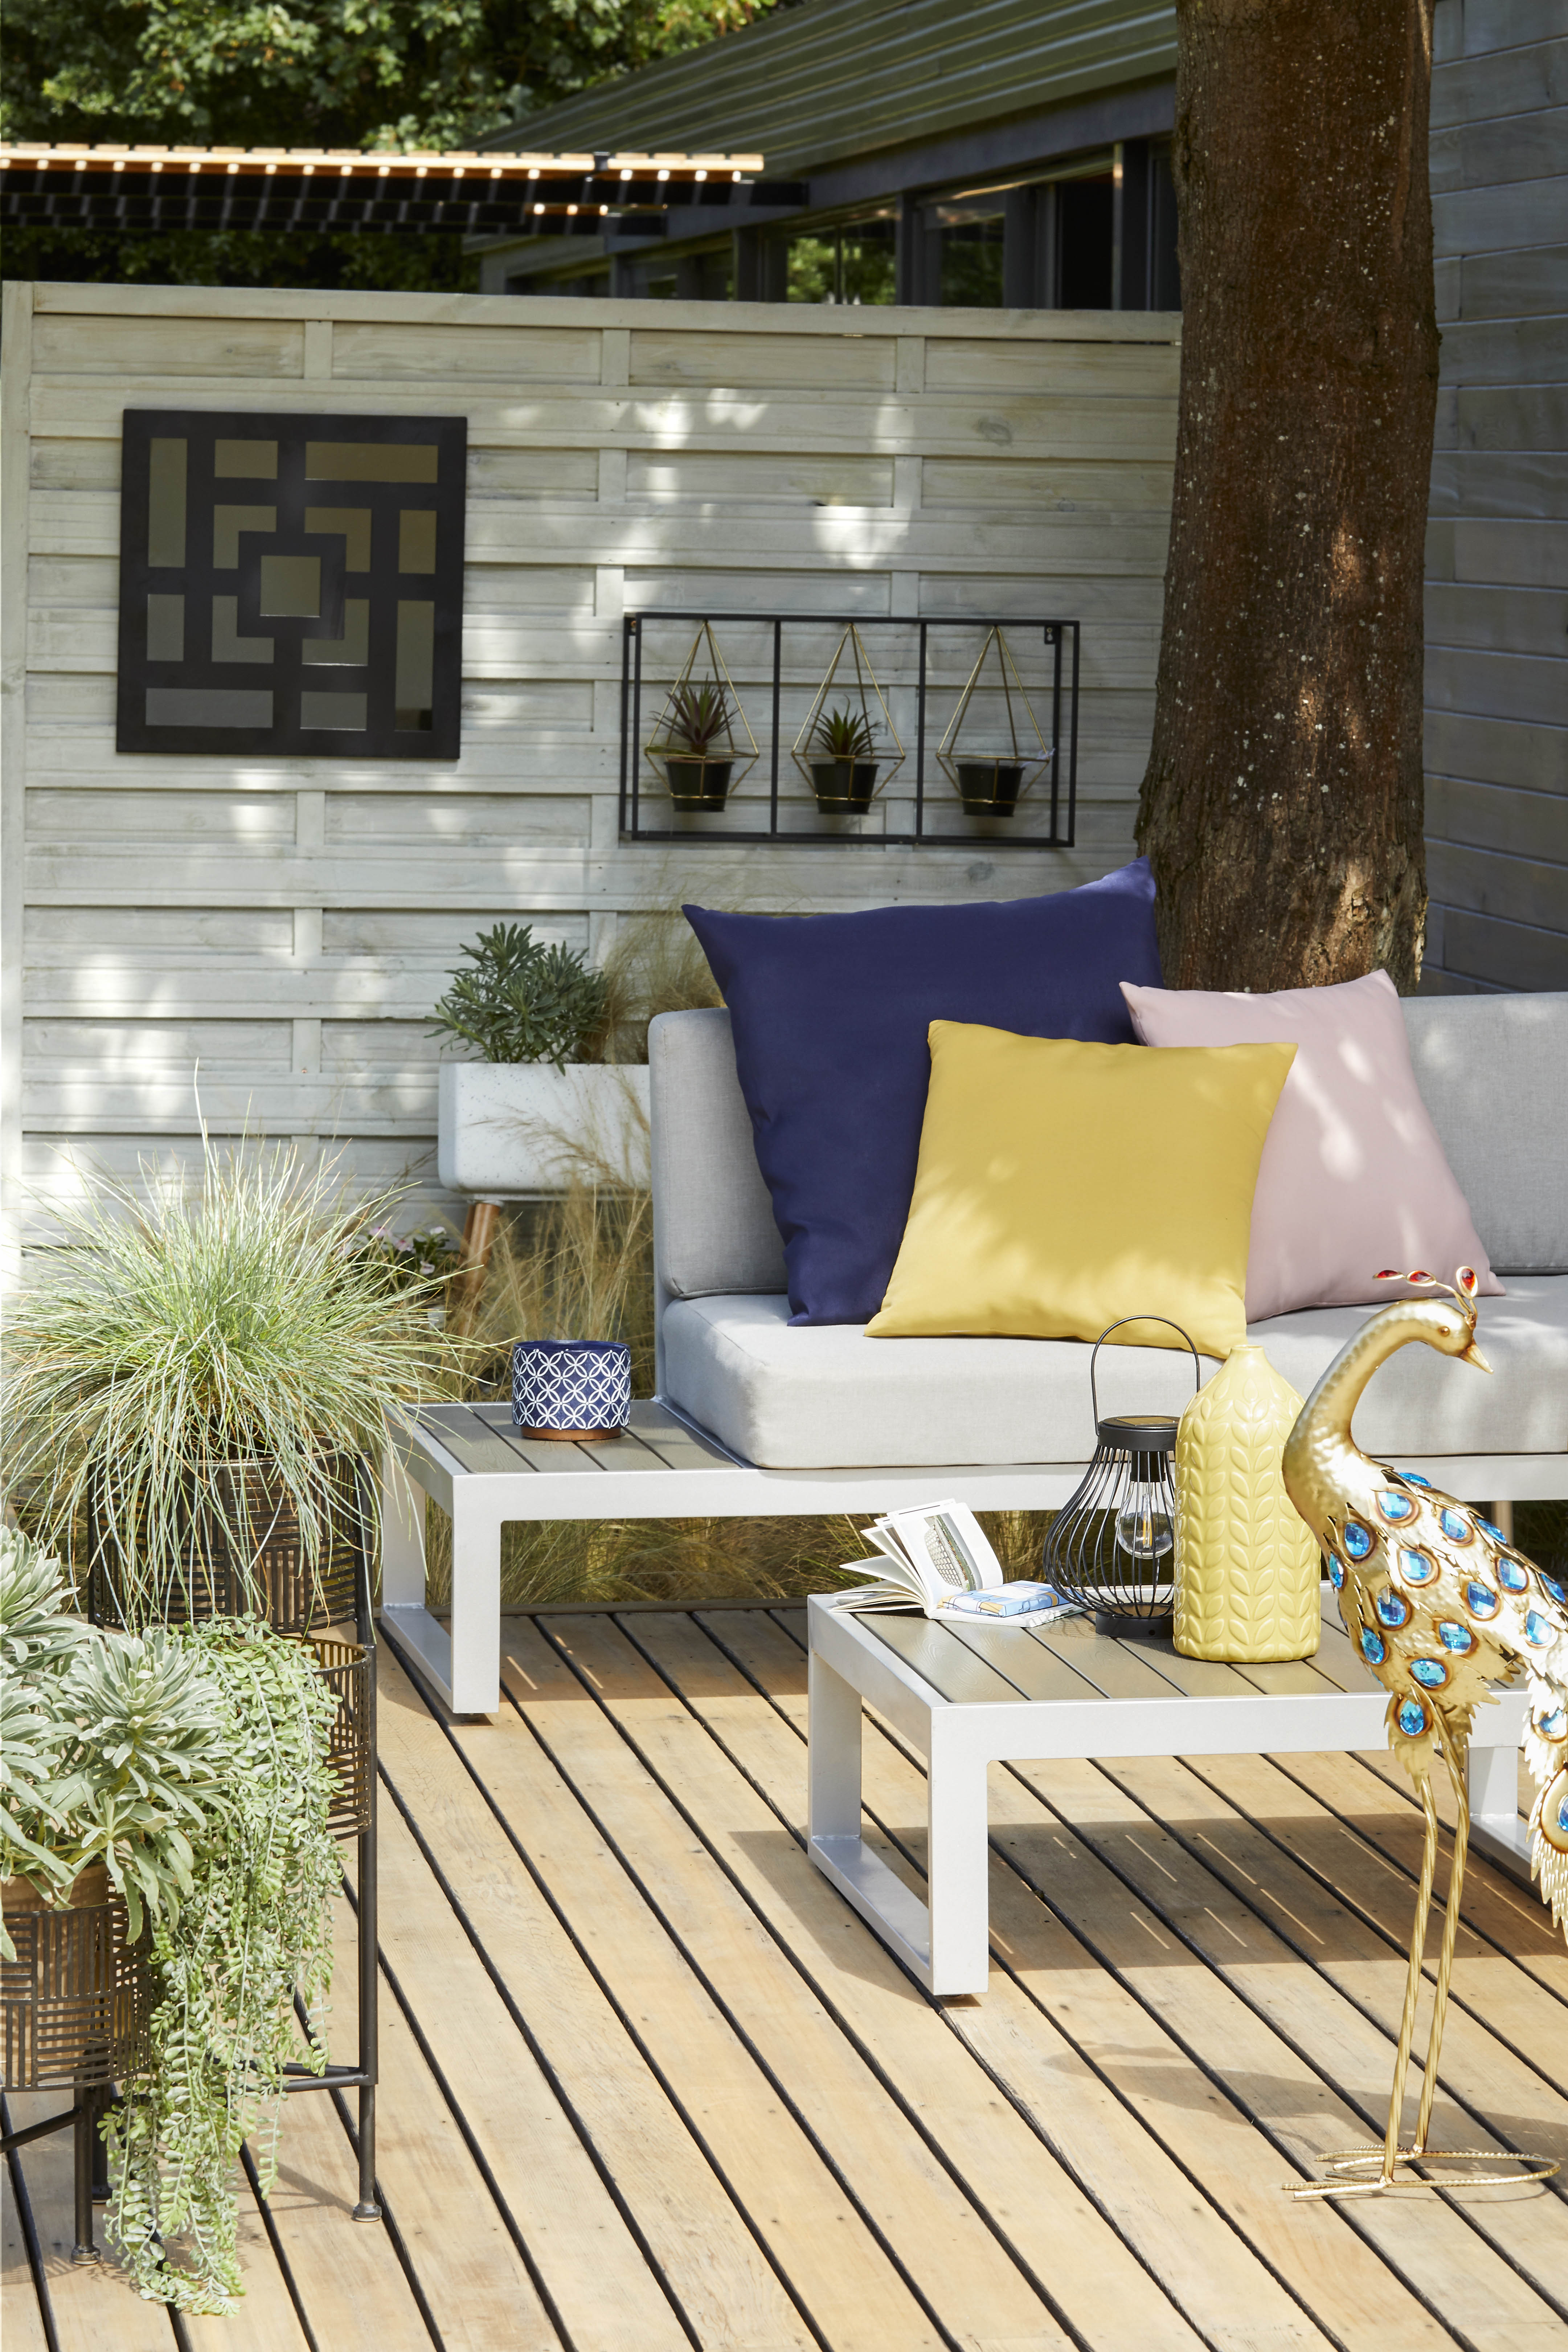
<point x="1112" y="1546"/>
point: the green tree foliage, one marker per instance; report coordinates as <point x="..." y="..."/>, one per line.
<point x="364" y="74"/>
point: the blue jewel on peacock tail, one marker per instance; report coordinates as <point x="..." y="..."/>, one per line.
<point x="1536" y="1629"/>
<point x="1373" y="1647"/>
<point x="1456" y="1527"/>
<point x="1513" y="1576"/>
<point x="1549" y="1584"/>
<point x="1490" y="1527"/>
<point x="1395" y="1506"/>
<point x="1431" y="1671"/>
<point x="1413" y="1479"/>
<point x="1336" y="1572"/>
<point x="1551" y="1722"/>
<point x="1358" y="1540"/>
<point x="1391" y="1608"/>
<point x="1412" y="1718"/>
<point x="1457" y="1638"/>
<point x="1416" y="1567"/>
<point x="1480" y="1600"/>
<point x="1562" y="1815"/>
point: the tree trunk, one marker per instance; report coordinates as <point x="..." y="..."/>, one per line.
<point x="1282" y="804"/>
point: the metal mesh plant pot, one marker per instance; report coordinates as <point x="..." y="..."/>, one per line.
<point x="345" y="1669"/>
<point x="240" y="1549"/>
<point x="75" y="2002"/>
<point x="1112" y="1547"/>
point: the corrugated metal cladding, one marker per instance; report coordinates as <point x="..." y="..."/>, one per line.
<point x="821" y="84"/>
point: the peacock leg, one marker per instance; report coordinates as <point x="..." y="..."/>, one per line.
<point x="1456" y="1764"/>
<point x="1412" y="1980"/>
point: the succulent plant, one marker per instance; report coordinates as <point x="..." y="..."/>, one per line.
<point x="845" y="734"/>
<point x="699" y="715"/>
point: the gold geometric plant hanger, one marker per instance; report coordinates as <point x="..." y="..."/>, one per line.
<point x="744" y="758"/>
<point x="1034" y="761"/>
<point x="1440" y="1605"/>
<point x="853" y="644"/>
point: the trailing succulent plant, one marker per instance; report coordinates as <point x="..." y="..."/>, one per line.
<point x="699" y="715"/>
<point x="192" y="1762"/>
<point x="845" y="734"/>
<point x="521" y="1001"/>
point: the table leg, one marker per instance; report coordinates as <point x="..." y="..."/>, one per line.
<point x="958" y="1860"/>
<point x="1496" y="1828"/>
<point x="402" y="1535"/>
<point x="833" y="1754"/>
<point x="475" y="1676"/>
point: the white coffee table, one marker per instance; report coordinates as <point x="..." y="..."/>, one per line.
<point x="967" y="1697"/>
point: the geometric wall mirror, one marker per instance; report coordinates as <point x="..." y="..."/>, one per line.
<point x="291" y="583"/>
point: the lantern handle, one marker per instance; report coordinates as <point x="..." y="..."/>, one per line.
<point x="1099" y="1342"/>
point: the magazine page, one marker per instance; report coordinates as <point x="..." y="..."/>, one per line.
<point x="949" y="1549"/>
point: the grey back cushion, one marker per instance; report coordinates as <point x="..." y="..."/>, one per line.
<point x="713" y="1219"/>
<point x="1493" y="1072"/>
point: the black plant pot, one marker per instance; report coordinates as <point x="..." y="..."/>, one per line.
<point x="990" y="787"/>
<point x="697" y="782"/>
<point x="844" y="784"/>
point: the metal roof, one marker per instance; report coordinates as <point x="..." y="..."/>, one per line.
<point x="838" y="78"/>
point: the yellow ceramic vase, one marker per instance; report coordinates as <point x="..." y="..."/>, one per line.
<point x="1247" y="1562"/>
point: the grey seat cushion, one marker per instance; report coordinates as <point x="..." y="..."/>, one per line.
<point x="829" y="1398"/>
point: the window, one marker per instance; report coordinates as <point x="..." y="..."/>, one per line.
<point x="854" y="262"/>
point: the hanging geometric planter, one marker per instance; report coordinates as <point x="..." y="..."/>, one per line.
<point x="697" y="742"/>
<point x="838" y="750"/>
<point x="995" y="767"/>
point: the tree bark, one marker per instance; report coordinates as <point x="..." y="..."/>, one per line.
<point x="1282" y="804"/>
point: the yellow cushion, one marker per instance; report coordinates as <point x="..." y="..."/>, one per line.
<point x="1062" y="1185"/>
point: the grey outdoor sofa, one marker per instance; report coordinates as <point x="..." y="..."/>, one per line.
<point x="1008" y="1421"/>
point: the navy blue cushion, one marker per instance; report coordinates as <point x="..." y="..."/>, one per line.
<point x="831" y="1014"/>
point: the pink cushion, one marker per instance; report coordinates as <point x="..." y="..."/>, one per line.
<point x="1353" y="1177"/>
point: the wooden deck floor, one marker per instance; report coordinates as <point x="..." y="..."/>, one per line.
<point x="649" y="2083"/>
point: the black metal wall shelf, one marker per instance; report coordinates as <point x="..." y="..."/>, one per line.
<point x="1061" y="792"/>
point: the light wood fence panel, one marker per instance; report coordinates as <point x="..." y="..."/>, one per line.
<point x="286" y="923"/>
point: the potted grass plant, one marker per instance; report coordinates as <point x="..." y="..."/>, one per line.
<point x="844" y="776"/>
<point x="697" y="772"/>
<point x="191" y="1376"/>
<point x="165" y="1850"/>
<point x="537" y="1019"/>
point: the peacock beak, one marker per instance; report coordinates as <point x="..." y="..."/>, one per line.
<point x="1472" y="1355"/>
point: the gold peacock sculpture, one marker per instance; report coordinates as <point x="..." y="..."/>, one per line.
<point x="1439" y="1604"/>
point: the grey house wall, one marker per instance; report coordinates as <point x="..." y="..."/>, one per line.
<point x="1496" y="596"/>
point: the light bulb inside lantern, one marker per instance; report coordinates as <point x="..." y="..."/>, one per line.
<point x="1144" y="1530"/>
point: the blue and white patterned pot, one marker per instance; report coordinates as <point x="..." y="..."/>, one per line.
<point x="572" y="1387"/>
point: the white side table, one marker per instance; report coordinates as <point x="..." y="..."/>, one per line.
<point x="966" y="1697"/>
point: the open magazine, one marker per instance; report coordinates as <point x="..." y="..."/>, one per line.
<point x="936" y="1557"/>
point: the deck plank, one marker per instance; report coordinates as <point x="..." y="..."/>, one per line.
<point x="1051" y="2224"/>
<point x="713" y="2267"/>
<point x="21" y="2318"/>
<point x="94" y="2304"/>
<point x="346" y="2271"/>
<point x="820" y="2242"/>
<point x="470" y="2273"/>
<point x="1488" y="1983"/>
<point x="1212" y="2137"/>
<point x="1476" y="2287"/>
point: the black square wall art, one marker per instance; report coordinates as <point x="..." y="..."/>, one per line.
<point x="291" y="583"/>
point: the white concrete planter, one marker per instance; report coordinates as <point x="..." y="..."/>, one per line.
<point x="513" y="1128"/>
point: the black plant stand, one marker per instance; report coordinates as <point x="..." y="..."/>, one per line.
<point x="356" y="1818"/>
<point x="361" y="2076"/>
